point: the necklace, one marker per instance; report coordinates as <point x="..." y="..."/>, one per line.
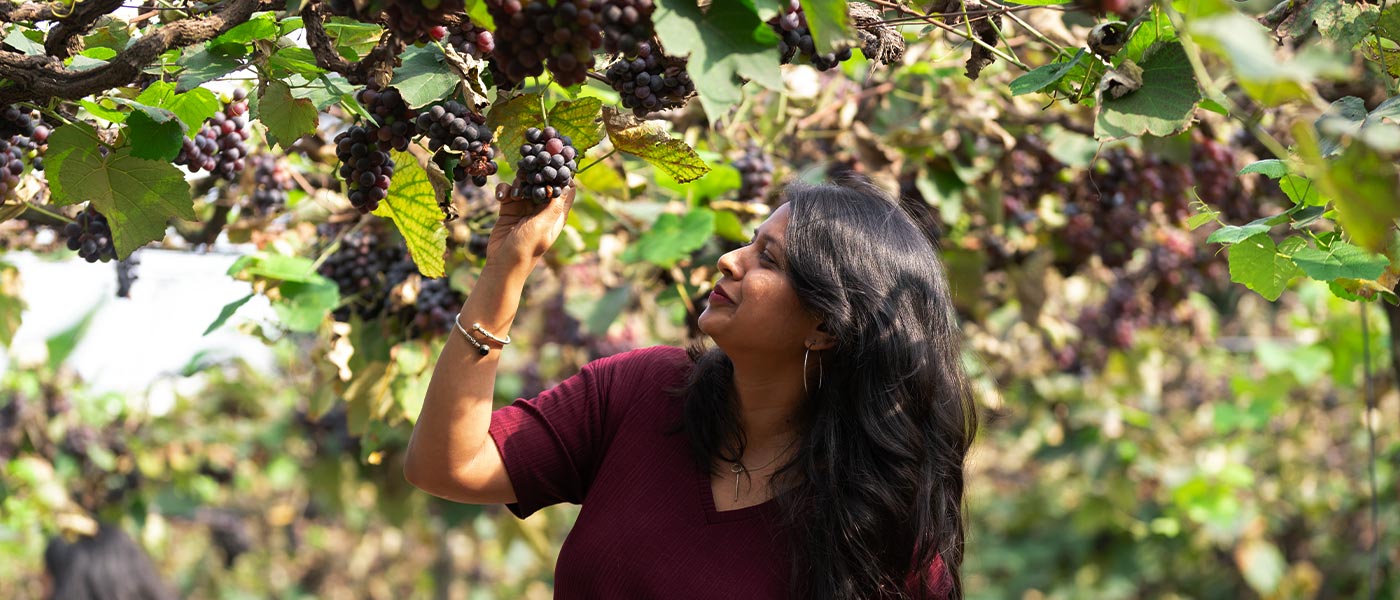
<point x="738" y="467"/>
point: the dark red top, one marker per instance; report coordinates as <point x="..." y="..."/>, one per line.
<point x="648" y="527"/>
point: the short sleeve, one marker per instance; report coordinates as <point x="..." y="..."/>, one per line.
<point x="552" y="445"/>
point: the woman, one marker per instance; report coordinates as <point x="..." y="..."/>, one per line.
<point x="816" y="453"/>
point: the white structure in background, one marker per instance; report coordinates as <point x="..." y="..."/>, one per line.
<point x="133" y="342"/>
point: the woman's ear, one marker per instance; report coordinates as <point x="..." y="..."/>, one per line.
<point x="820" y="339"/>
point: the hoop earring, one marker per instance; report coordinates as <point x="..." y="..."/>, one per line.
<point x="821" y="372"/>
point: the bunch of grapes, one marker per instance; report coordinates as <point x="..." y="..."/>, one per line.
<point x="535" y="34"/>
<point x="271" y="182"/>
<point x="393" y="117"/>
<point x="627" y="27"/>
<point x="794" y="36"/>
<point x="1116" y="321"/>
<point x="435" y="307"/>
<point x="1029" y="173"/>
<point x="15" y="123"/>
<point x="755" y="174"/>
<point x="1213" y="168"/>
<point x="91" y="236"/>
<point x="363" y="268"/>
<point x="546" y="165"/>
<point x="11" y="167"/>
<point x="229" y="533"/>
<point x="467" y="38"/>
<point x="420" y="21"/>
<point x="365" y="167"/>
<point x="219" y="146"/>
<point x="452" y="127"/>
<point x="33" y="146"/>
<point x="651" y="83"/>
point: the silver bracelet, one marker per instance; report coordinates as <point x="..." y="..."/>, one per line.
<point x="481" y="348"/>
<point x="478" y="328"/>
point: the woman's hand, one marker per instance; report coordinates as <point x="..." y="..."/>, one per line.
<point x="525" y="230"/>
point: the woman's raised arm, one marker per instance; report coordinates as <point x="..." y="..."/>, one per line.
<point x="451" y="454"/>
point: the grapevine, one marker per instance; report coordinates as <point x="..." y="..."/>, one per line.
<point x="627" y="27"/>
<point x="546" y="165"/>
<point x="534" y="34"/>
<point x="451" y="127"/>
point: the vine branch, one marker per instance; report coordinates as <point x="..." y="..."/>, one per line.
<point x="319" y="41"/>
<point x="65" y="37"/>
<point x="32" y="12"/>
<point x="38" y="78"/>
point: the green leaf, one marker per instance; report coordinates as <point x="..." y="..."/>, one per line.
<point x="829" y="23"/>
<point x="476" y="9"/>
<point x="1300" y="190"/>
<point x="1044" y="76"/>
<point x="645" y="140"/>
<point x="155" y="133"/>
<point x="103" y="112"/>
<point x="607" y="309"/>
<point x="203" y="67"/>
<point x="227" y="312"/>
<point x="729" y="227"/>
<point x="423" y="77"/>
<point x="62" y="344"/>
<point x="1263" y="267"/>
<point x="1345" y="23"/>
<point x="278" y="267"/>
<point x="1340" y="261"/>
<point x="20" y="39"/>
<point x="672" y="238"/>
<point x="1156" y="28"/>
<point x="1272" y="168"/>
<point x="1262" y="565"/>
<point x="294" y="61"/>
<point x="1234" y="234"/>
<point x="1161" y="107"/>
<point x="726" y="44"/>
<point x="12" y="304"/>
<point x="353" y="39"/>
<point x="99" y="53"/>
<point x="286" y="118"/>
<point x="508" y="121"/>
<point x="138" y="196"/>
<point x="1246" y="45"/>
<point x="304" y="305"/>
<point x="581" y="120"/>
<point x="1388" y="23"/>
<point x="193" y="107"/>
<point x="262" y="26"/>
<point x="1361" y="184"/>
<point x="412" y="205"/>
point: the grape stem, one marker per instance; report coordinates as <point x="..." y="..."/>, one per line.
<point x="55" y="216"/>
<point x="953" y="30"/>
<point x="600" y="159"/>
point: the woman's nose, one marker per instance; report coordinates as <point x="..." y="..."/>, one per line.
<point x="729" y="264"/>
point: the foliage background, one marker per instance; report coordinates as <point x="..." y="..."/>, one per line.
<point x="1217" y="448"/>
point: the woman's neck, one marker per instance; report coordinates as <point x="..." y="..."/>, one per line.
<point x="768" y="399"/>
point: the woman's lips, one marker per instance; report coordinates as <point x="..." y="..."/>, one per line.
<point x="719" y="297"/>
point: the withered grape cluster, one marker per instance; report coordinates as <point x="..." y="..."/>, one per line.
<point x="533" y="35"/>
<point x="755" y="175"/>
<point x="451" y="127"/>
<point x="365" y="167"/>
<point x="627" y="27"/>
<point x="652" y="83"/>
<point x="91" y="236"/>
<point x="794" y="37"/>
<point x="547" y="164"/>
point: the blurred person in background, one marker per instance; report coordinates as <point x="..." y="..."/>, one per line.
<point x="817" y="452"/>
<point x="105" y="566"/>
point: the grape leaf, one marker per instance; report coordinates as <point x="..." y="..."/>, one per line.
<point x="1153" y="30"/>
<point x="352" y="39"/>
<point x="672" y="238"/>
<point x="580" y="120"/>
<point x="154" y="133"/>
<point x="672" y="156"/>
<point x="138" y="196"/>
<point x="227" y="311"/>
<point x="726" y="44"/>
<point x="1044" y="76"/>
<point x="1250" y="51"/>
<point x="286" y="118"/>
<point x="204" y="66"/>
<point x="1345" y="23"/>
<point x="262" y="26"/>
<point x="412" y="205"/>
<point x="19" y="38"/>
<point x="193" y="107"/>
<point x="294" y="61"/>
<point x="829" y="23"/>
<point x="1161" y="107"/>
<point x="1340" y="261"/>
<point x="508" y="121"/>
<point x="1300" y="190"/>
<point x="476" y="10"/>
<point x="1361" y="184"/>
<point x="1272" y="168"/>
<point x="12" y="304"/>
<point x="104" y="112"/>
<point x="1234" y="234"/>
<point x="302" y="306"/>
<point x="423" y="78"/>
<point x="1263" y="267"/>
<point x="279" y="267"/>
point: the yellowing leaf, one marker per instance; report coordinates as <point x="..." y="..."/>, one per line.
<point x="12" y="305"/>
<point x="508" y="121"/>
<point x="413" y="207"/>
<point x="653" y="145"/>
<point x="580" y="120"/>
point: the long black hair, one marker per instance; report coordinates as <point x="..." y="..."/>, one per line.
<point x="106" y="566"/>
<point x="872" y="498"/>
